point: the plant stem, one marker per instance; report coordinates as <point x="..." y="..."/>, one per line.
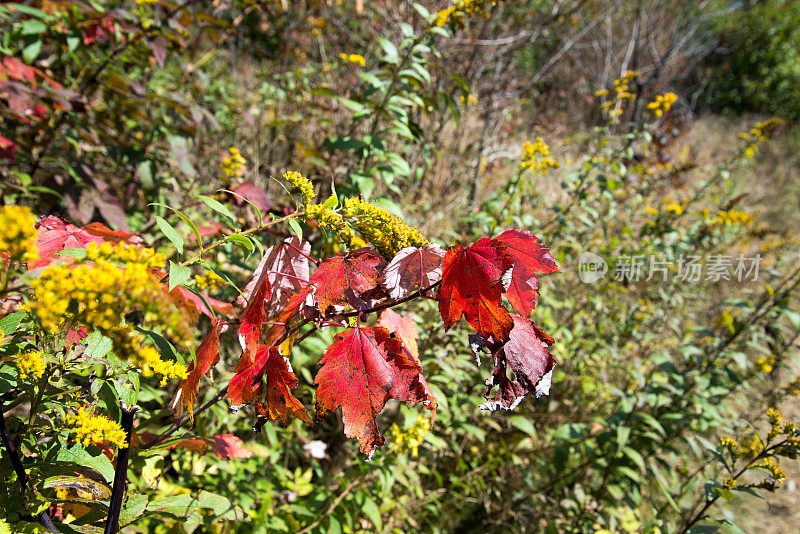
<point x="19" y="469"/>
<point x="120" y="473"/>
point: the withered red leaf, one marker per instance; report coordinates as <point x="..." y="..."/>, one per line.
<point x="526" y="355"/>
<point x="247" y="385"/>
<point x="206" y="356"/>
<point x="404" y="327"/>
<point x="251" y="321"/>
<point x="412" y="269"/>
<point x="361" y="370"/>
<point x="473" y="281"/>
<point x="344" y="279"/>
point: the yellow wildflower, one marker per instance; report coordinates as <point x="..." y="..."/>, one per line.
<point x="411" y="439"/>
<point x="675" y="208"/>
<point x="100" y="294"/>
<point x="302" y="184"/>
<point x="233" y="165"/>
<point x="454" y="15"/>
<point x="651" y="210"/>
<point x="149" y="361"/>
<point x="125" y="254"/>
<point x="729" y="483"/>
<point x="662" y="103"/>
<point x="536" y="156"/>
<point x="91" y="428"/>
<point x="210" y="281"/>
<point x="17" y="233"/>
<point x="356" y="59"/>
<point x="388" y="233"/>
<point x="31" y="364"/>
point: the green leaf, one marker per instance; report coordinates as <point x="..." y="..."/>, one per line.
<point x="373" y="513"/>
<point x="97" y="345"/>
<point x="80" y="456"/>
<point x="217" y="206"/>
<point x="77" y="253"/>
<point x="32" y="51"/>
<point x="391" y="54"/>
<point x="296" y="228"/>
<point x="242" y="242"/>
<point x="10" y="323"/>
<point x="178" y="274"/>
<point x="185" y="220"/>
<point x="522" y="423"/>
<point x="170" y="233"/>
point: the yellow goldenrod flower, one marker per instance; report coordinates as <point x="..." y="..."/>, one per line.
<point x="96" y="429"/>
<point x="149" y="361"/>
<point x="675" y="208"/>
<point x="356" y="59"/>
<point x="210" y="281"/>
<point x="125" y="254"/>
<point x="536" y="156"/>
<point x="411" y="439"/>
<point x="651" y="210"/>
<point x="98" y="295"/>
<point x="662" y="103"/>
<point x="17" y="233"/>
<point x="302" y="184"/>
<point x="233" y="165"/>
<point x="454" y="15"/>
<point x="329" y="220"/>
<point x="31" y="364"/>
<point x="388" y="233"/>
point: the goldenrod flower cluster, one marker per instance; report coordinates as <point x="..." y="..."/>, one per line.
<point x="31" y="364"/>
<point x="302" y="184"/>
<point x="469" y="100"/>
<point x="727" y="442"/>
<point x="96" y="429"/>
<point x="758" y="134"/>
<point x="100" y="294"/>
<point x="728" y="483"/>
<point x="356" y="59"/>
<point x="210" y="281"/>
<point x="662" y="103"/>
<point x="388" y="233"/>
<point x="751" y="448"/>
<point x="536" y="156"/>
<point x="793" y="387"/>
<point x="233" y="164"/>
<point x="775" y="420"/>
<point x="674" y="207"/>
<point x="775" y="470"/>
<point x="149" y="361"/>
<point x="411" y="439"/>
<point x="765" y="364"/>
<point x="612" y="102"/>
<point x="329" y="219"/>
<point x="454" y="15"/>
<point x="727" y="218"/>
<point x="17" y="233"/>
<point x="126" y="254"/>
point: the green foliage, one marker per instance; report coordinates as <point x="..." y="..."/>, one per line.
<point x="757" y="64"/>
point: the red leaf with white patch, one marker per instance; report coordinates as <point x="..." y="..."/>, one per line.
<point x="526" y="355"/>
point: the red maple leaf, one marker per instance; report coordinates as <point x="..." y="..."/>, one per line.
<point x="530" y="257"/>
<point x="206" y="356"/>
<point x="413" y="268"/>
<point x="56" y="235"/>
<point x="473" y="281"/>
<point x="361" y="370"/>
<point x="344" y="279"/>
<point x="225" y="446"/>
<point x="526" y="355"/>
<point x="250" y="191"/>
<point x="247" y="386"/>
